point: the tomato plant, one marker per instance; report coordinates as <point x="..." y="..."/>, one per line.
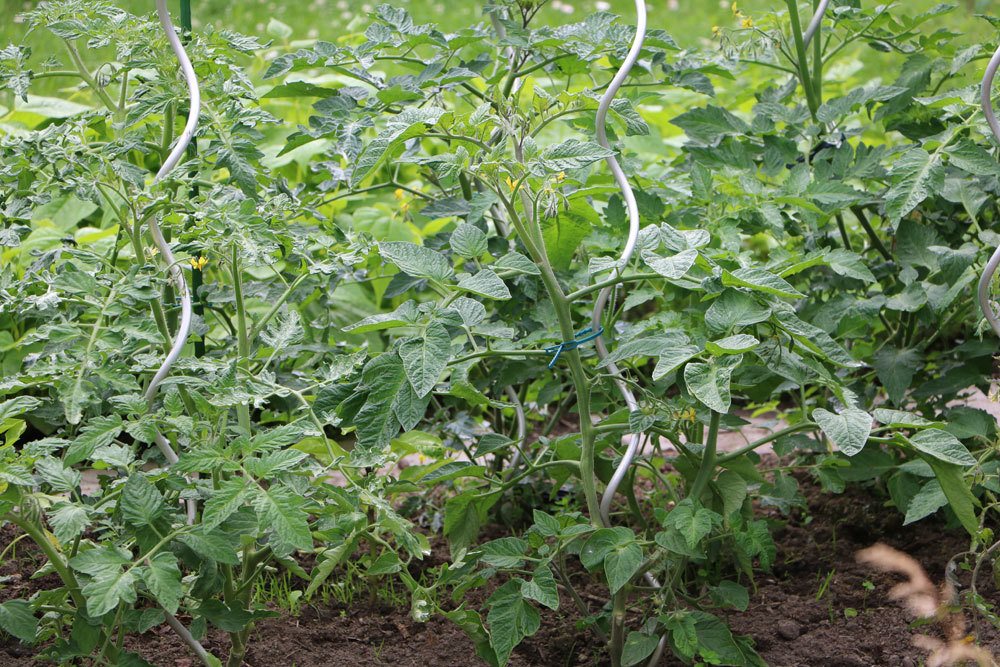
<point x="446" y="280"/>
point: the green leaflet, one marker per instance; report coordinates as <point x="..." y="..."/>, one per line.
<point x="957" y="491"/>
<point x="425" y="358"/>
<point x="416" y="260"/>
<point x="141" y="503"/>
<point x="468" y="241"/>
<point x="848" y="430"/>
<point x="99" y="432"/>
<point x="511" y="618"/>
<point x="411" y="122"/>
<point x="163" y="578"/>
<point x="282" y="512"/>
<point x="709" y="382"/>
<point x="760" y="280"/>
<point x="733" y="309"/>
<point x="915" y="176"/>
<point x="17" y="619"/>
<point x="486" y="284"/>
<point x="568" y="155"/>
<point x="942" y="446"/>
<point x="735" y="344"/>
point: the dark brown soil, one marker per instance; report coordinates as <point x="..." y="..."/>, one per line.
<point x="791" y="621"/>
<point x="794" y="624"/>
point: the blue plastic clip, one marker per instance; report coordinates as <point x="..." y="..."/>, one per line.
<point x="582" y="337"/>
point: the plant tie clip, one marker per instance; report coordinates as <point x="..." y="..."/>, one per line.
<point x="584" y="336"/>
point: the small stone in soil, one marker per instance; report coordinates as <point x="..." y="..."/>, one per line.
<point x="789" y="630"/>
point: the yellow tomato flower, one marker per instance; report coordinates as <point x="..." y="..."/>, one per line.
<point x="199" y="263"/>
<point x="716" y="31"/>
<point x="560" y="177"/>
<point x="736" y="10"/>
<point x="747" y="22"/>
<point x="399" y="194"/>
<point x="510" y="184"/>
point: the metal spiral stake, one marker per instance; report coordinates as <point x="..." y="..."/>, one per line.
<point x="176" y="274"/>
<point x="177" y="277"/>
<point x="991" y="266"/>
<point x="814" y="23"/>
<point x="632" y="211"/>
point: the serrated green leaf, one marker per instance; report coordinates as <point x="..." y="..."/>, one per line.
<point x="107" y="589"/>
<point x="542" y="588"/>
<point x="282" y="513"/>
<point x="141" y="503"/>
<point x="506" y="552"/>
<point x="468" y="241"/>
<point x="511" y="618"/>
<point x="163" y="579"/>
<point x="928" y="500"/>
<point x="99" y="432"/>
<point x="68" y="521"/>
<point x="226" y="499"/>
<point x="568" y="155"/>
<point x="915" y="176"/>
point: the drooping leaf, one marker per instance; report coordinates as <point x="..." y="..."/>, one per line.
<point x="942" y="446"/>
<point x="425" y="358"/>
<point x="848" y="430"/>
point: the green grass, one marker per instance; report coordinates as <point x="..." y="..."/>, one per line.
<point x="689" y="22"/>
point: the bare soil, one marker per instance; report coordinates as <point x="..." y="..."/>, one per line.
<point x="812" y="610"/>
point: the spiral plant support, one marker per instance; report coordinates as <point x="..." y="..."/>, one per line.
<point x="994" y="262"/>
<point x="631" y="207"/>
<point x="175" y="271"/>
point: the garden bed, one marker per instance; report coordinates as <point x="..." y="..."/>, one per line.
<point x="815" y="607"/>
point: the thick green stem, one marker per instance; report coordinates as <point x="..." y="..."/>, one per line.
<point x="614" y="280"/>
<point x="817" y="75"/>
<point x="859" y="213"/>
<point x="618" y="615"/>
<point x="802" y="63"/>
<point x="243" y="339"/>
<point x="55" y="558"/>
<point x="749" y="447"/>
<point x="707" y="467"/>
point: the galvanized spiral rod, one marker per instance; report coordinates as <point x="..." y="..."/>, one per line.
<point x="991" y="266"/>
<point x="176" y="274"/>
<point x="817" y="18"/>
<point x="632" y="210"/>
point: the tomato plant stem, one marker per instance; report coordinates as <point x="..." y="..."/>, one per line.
<point x="707" y="467"/>
<point x="243" y="340"/>
<point x="801" y="59"/>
